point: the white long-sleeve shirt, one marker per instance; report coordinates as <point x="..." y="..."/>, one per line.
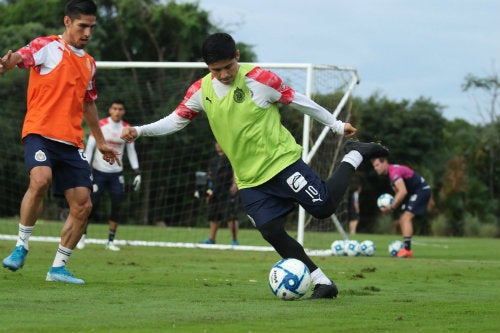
<point x="263" y="94"/>
<point x="111" y="131"/>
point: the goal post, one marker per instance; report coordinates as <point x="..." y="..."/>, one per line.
<point x="152" y="90"/>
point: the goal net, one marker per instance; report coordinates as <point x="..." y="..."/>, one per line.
<point x="170" y="164"/>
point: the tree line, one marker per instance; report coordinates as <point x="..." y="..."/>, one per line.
<point x="461" y="161"/>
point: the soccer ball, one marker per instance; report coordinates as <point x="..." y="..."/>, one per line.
<point x="385" y="200"/>
<point x="395" y="247"/>
<point x="338" y="248"/>
<point x="352" y="248"/>
<point x="289" y="279"/>
<point x="367" y="248"/>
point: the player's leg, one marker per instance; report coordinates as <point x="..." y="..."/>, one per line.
<point x="287" y="247"/>
<point x="214" y="214"/>
<point x="233" y="226"/>
<point x="406" y="225"/>
<point x="31" y="208"/>
<point x="73" y="178"/>
<point x="38" y="164"/>
<point x="115" y="182"/>
<point x="114" y="218"/>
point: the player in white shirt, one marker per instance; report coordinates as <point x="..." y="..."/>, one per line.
<point x="109" y="178"/>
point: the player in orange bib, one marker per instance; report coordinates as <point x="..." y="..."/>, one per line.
<point x="61" y="94"/>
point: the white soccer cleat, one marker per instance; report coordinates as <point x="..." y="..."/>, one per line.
<point x="112" y="247"/>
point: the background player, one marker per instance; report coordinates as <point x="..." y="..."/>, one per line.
<point x="411" y="192"/>
<point x="109" y="178"/>
<point x="52" y="134"/>
<point x="222" y="199"/>
<point x="241" y="103"/>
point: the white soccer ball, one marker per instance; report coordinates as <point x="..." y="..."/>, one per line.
<point x="289" y="279"/>
<point x="338" y="248"/>
<point x="395" y="247"/>
<point x="385" y="200"/>
<point x="352" y="248"/>
<point x="367" y="248"/>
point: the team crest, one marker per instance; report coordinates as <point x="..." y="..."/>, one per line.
<point x="239" y="95"/>
<point x="40" y="156"/>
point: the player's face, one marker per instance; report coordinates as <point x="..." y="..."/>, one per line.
<point x="116" y="111"/>
<point x="225" y="70"/>
<point x="379" y="166"/>
<point x="79" y="30"/>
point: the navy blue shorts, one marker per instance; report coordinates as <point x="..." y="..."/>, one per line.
<point x="296" y="184"/>
<point x="112" y="182"/>
<point x="417" y="202"/>
<point x="69" y="167"/>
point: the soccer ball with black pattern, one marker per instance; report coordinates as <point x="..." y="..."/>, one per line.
<point x="395" y="247"/>
<point x="289" y="279"/>
<point x="367" y="248"/>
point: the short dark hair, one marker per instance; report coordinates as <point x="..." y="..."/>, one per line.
<point x="76" y="8"/>
<point x="119" y="101"/>
<point x="217" y="47"/>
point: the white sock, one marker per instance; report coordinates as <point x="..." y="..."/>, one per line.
<point x="62" y="256"/>
<point x="24" y="235"/>
<point x="354" y="158"/>
<point x="318" y="277"/>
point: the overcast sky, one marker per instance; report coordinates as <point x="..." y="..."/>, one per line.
<point x="402" y="49"/>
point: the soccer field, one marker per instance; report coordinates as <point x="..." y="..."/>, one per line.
<point x="452" y="285"/>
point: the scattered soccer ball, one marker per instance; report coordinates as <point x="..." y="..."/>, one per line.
<point x="385" y="200"/>
<point x="338" y="248"/>
<point x="395" y="247"/>
<point x="289" y="279"/>
<point x="352" y="248"/>
<point x="367" y="248"/>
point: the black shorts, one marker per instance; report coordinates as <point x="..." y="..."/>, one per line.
<point x="221" y="209"/>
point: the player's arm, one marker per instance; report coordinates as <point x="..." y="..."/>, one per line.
<point x="134" y="163"/>
<point x="400" y="193"/>
<point x="9" y="61"/>
<point x="90" y="148"/>
<point x="319" y="113"/>
<point x="109" y="154"/>
<point x="187" y="110"/>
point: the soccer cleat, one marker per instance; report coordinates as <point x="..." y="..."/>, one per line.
<point x="235" y="242"/>
<point x="404" y="253"/>
<point x="324" y="291"/>
<point x="208" y="241"/>
<point x="367" y="150"/>
<point x="16" y="259"/>
<point x="81" y="243"/>
<point x="61" y="274"/>
<point x="112" y="247"/>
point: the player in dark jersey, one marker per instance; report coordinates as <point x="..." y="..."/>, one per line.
<point x="412" y="193"/>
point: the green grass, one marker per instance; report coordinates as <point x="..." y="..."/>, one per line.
<point x="452" y="285"/>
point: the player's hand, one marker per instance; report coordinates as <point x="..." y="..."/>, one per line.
<point x="4" y="62"/>
<point x="109" y="154"/>
<point x="137" y="182"/>
<point x="349" y="130"/>
<point x="129" y="134"/>
<point x="386" y="209"/>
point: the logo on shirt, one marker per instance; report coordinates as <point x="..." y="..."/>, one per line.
<point x="296" y="182"/>
<point x="239" y="95"/>
<point x="40" y="156"/>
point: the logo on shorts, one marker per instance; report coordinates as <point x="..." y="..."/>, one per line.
<point x="40" y="156"/>
<point x="296" y="181"/>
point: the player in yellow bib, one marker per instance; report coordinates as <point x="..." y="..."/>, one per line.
<point x="241" y="103"/>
